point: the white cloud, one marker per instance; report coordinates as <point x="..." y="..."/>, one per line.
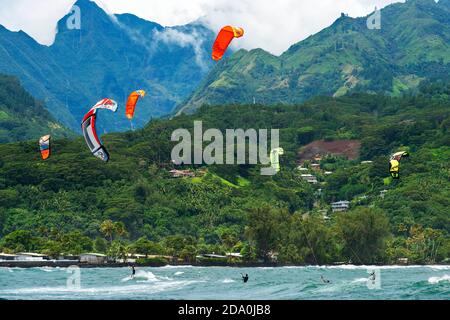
<point x="271" y="25"/>
<point x="184" y="40"/>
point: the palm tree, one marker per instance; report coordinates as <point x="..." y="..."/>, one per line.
<point x="120" y="229"/>
<point x="107" y="228"/>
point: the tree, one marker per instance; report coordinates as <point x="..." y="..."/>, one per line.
<point x="248" y="252"/>
<point x="120" y="229"/>
<point x="424" y="244"/>
<point x="110" y="229"/>
<point x="19" y="240"/>
<point x="107" y="229"/>
<point x="118" y="250"/>
<point x="100" y="245"/>
<point x="146" y="247"/>
<point x="265" y="229"/>
<point x="308" y="241"/>
<point x="364" y="232"/>
<point x="53" y="249"/>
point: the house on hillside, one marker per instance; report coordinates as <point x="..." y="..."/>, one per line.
<point x="309" y="178"/>
<point x="182" y="174"/>
<point x="340" y="206"/>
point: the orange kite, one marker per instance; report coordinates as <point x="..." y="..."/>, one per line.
<point x="223" y="40"/>
<point x="132" y="101"/>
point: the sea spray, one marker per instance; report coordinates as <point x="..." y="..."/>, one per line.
<point x="437" y="280"/>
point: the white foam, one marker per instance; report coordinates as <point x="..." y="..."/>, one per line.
<point x="437" y="280"/>
<point x="142" y="276"/>
<point x="360" y="280"/>
<point x="439" y="267"/>
<point x="152" y="285"/>
<point x="179" y="273"/>
<point x="374" y="267"/>
<point x="175" y="267"/>
<point x="228" y="281"/>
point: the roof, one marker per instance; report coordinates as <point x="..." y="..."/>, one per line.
<point x="93" y="255"/>
<point x="136" y="255"/>
<point x="236" y="255"/>
<point x="341" y="202"/>
<point x="213" y="256"/>
<point x="7" y="255"/>
<point x="31" y="254"/>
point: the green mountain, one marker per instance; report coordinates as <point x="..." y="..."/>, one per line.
<point x="65" y="204"/>
<point x="109" y="56"/>
<point x="22" y="117"/>
<point x="412" y="45"/>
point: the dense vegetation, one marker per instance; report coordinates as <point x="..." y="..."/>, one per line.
<point x="22" y="117"/>
<point x="74" y="203"/>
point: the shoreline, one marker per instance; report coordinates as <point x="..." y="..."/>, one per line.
<point x="67" y="264"/>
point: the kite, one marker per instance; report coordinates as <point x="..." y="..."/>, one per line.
<point x="394" y="163"/>
<point x="223" y="40"/>
<point x="44" y="146"/>
<point x="90" y="132"/>
<point x="132" y="101"/>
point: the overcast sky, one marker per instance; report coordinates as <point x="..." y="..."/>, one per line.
<point x="273" y="25"/>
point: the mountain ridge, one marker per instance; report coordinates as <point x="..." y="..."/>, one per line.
<point x="110" y="56"/>
<point x="22" y="117"/>
<point x="411" y="46"/>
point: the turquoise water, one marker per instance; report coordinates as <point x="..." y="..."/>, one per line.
<point x="192" y="283"/>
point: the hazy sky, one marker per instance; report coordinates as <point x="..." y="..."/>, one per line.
<point x="273" y="25"/>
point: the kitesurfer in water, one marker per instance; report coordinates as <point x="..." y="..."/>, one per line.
<point x="245" y="278"/>
<point x="325" y="280"/>
<point x="373" y="276"/>
<point x="133" y="272"/>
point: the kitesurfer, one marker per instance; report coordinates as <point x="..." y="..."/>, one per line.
<point x="373" y="276"/>
<point x="325" y="280"/>
<point x="133" y="272"/>
<point x="245" y="278"/>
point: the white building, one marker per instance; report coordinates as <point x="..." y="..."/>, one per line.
<point x="7" y="257"/>
<point x="383" y="193"/>
<point x="340" y="206"/>
<point x="309" y="178"/>
<point x="30" y="256"/>
<point x="93" y="258"/>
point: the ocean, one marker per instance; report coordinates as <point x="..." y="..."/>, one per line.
<point x="214" y="283"/>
